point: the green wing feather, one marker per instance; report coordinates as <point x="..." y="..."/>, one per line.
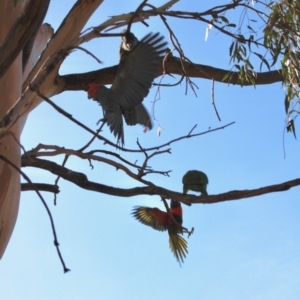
<point x="152" y="217"/>
<point x="159" y="220"/>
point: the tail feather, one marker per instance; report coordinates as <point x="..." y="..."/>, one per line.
<point x="178" y="246"/>
<point x="115" y="122"/>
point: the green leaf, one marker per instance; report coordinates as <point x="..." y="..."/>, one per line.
<point x="227" y="76"/>
<point x="225" y="20"/>
<point x="286" y="103"/>
<point x="238" y="67"/>
<point x="291" y="128"/>
<point x="214" y="15"/>
<point x="241" y="38"/>
<point x="249" y="27"/>
<point x="252" y="79"/>
<point x="231" y="48"/>
<point x="262" y="59"/>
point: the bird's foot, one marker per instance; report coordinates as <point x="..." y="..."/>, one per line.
<point x="101" y="120"/>
<point x="189" y="232"/>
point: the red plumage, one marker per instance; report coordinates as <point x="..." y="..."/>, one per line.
<point x="160" y="220"/>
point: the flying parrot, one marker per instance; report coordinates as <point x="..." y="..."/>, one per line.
<point x="130" y="86"/>
<point x="160" y="220"/>
<point x="195" y="181"/>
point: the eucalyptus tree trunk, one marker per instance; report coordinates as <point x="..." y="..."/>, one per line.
<point x="10" y="86"/>
<point x="26" y="58"/>
<point x="32" y="37"/>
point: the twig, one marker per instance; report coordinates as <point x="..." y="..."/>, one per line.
<point x="92" y="139"/>
<point x="189" y="136"/>
<point x="192" y="129"/>
<point x="45" y="205"/>
<point x="170" y="84"/>
<point x="58" y="177"/>
<point x="213" y="99"/>
<point x="136" y="13"/>
<point x="63" y="112"/>
<point x="90" y="53"/>
<point x="17" y="141"/>
<point x="40" y="186"/>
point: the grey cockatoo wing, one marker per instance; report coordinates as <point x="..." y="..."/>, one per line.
<point x="137" y="71"/>
<point x="103" y="97"/>
<point x="112" y="112"/>
<point x="138" y="115"/>
<point x="113" y="117"/>
<point x="142" y="116"/>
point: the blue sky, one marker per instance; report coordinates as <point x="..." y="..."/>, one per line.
<point x="246" y="249"/>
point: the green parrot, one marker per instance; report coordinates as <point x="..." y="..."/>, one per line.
<point x="195" y="181"/>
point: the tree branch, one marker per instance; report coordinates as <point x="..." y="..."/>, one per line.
<point x="81" y="81"/>
<point x="56" y="244"/>
<point x="82" y="181"/>
<point x="40" y="187"/>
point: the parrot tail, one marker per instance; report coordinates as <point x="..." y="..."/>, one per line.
<point x="115" y="122"/>
<point x="178" y="246"/>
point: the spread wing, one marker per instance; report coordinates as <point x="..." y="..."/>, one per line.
<point x="137" y="71"/>
<point x="152" y="217"/>
<point x="138" y="115"/>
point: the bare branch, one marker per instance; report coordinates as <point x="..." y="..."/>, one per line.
<point x="40" y="187"/>
<point x="236" y="195"/>
<point x="56" y="244"/>
<point x="213" y="100"/>
<point x="80" y="81"/>
<point x="81" y="180"/>
<point x="95" y="134"/>
<point x="89" y="53"/>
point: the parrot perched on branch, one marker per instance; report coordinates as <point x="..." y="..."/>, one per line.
<point x="195" y="181"/>
<point x="160" y="220"/>
<point x="130" y="86"/>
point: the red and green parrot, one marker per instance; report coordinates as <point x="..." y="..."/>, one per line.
<point x="137" y="69"/>
<point x="160" y="220"/>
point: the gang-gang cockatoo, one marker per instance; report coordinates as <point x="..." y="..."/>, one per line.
<point x="131" y="85"/>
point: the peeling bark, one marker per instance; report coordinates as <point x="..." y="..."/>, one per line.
<point x="21" y="29"/>
<point x="42" y="37"/>
<point x="10" y="86"/>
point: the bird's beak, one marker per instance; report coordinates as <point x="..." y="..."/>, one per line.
<point x="90" y="96"/>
